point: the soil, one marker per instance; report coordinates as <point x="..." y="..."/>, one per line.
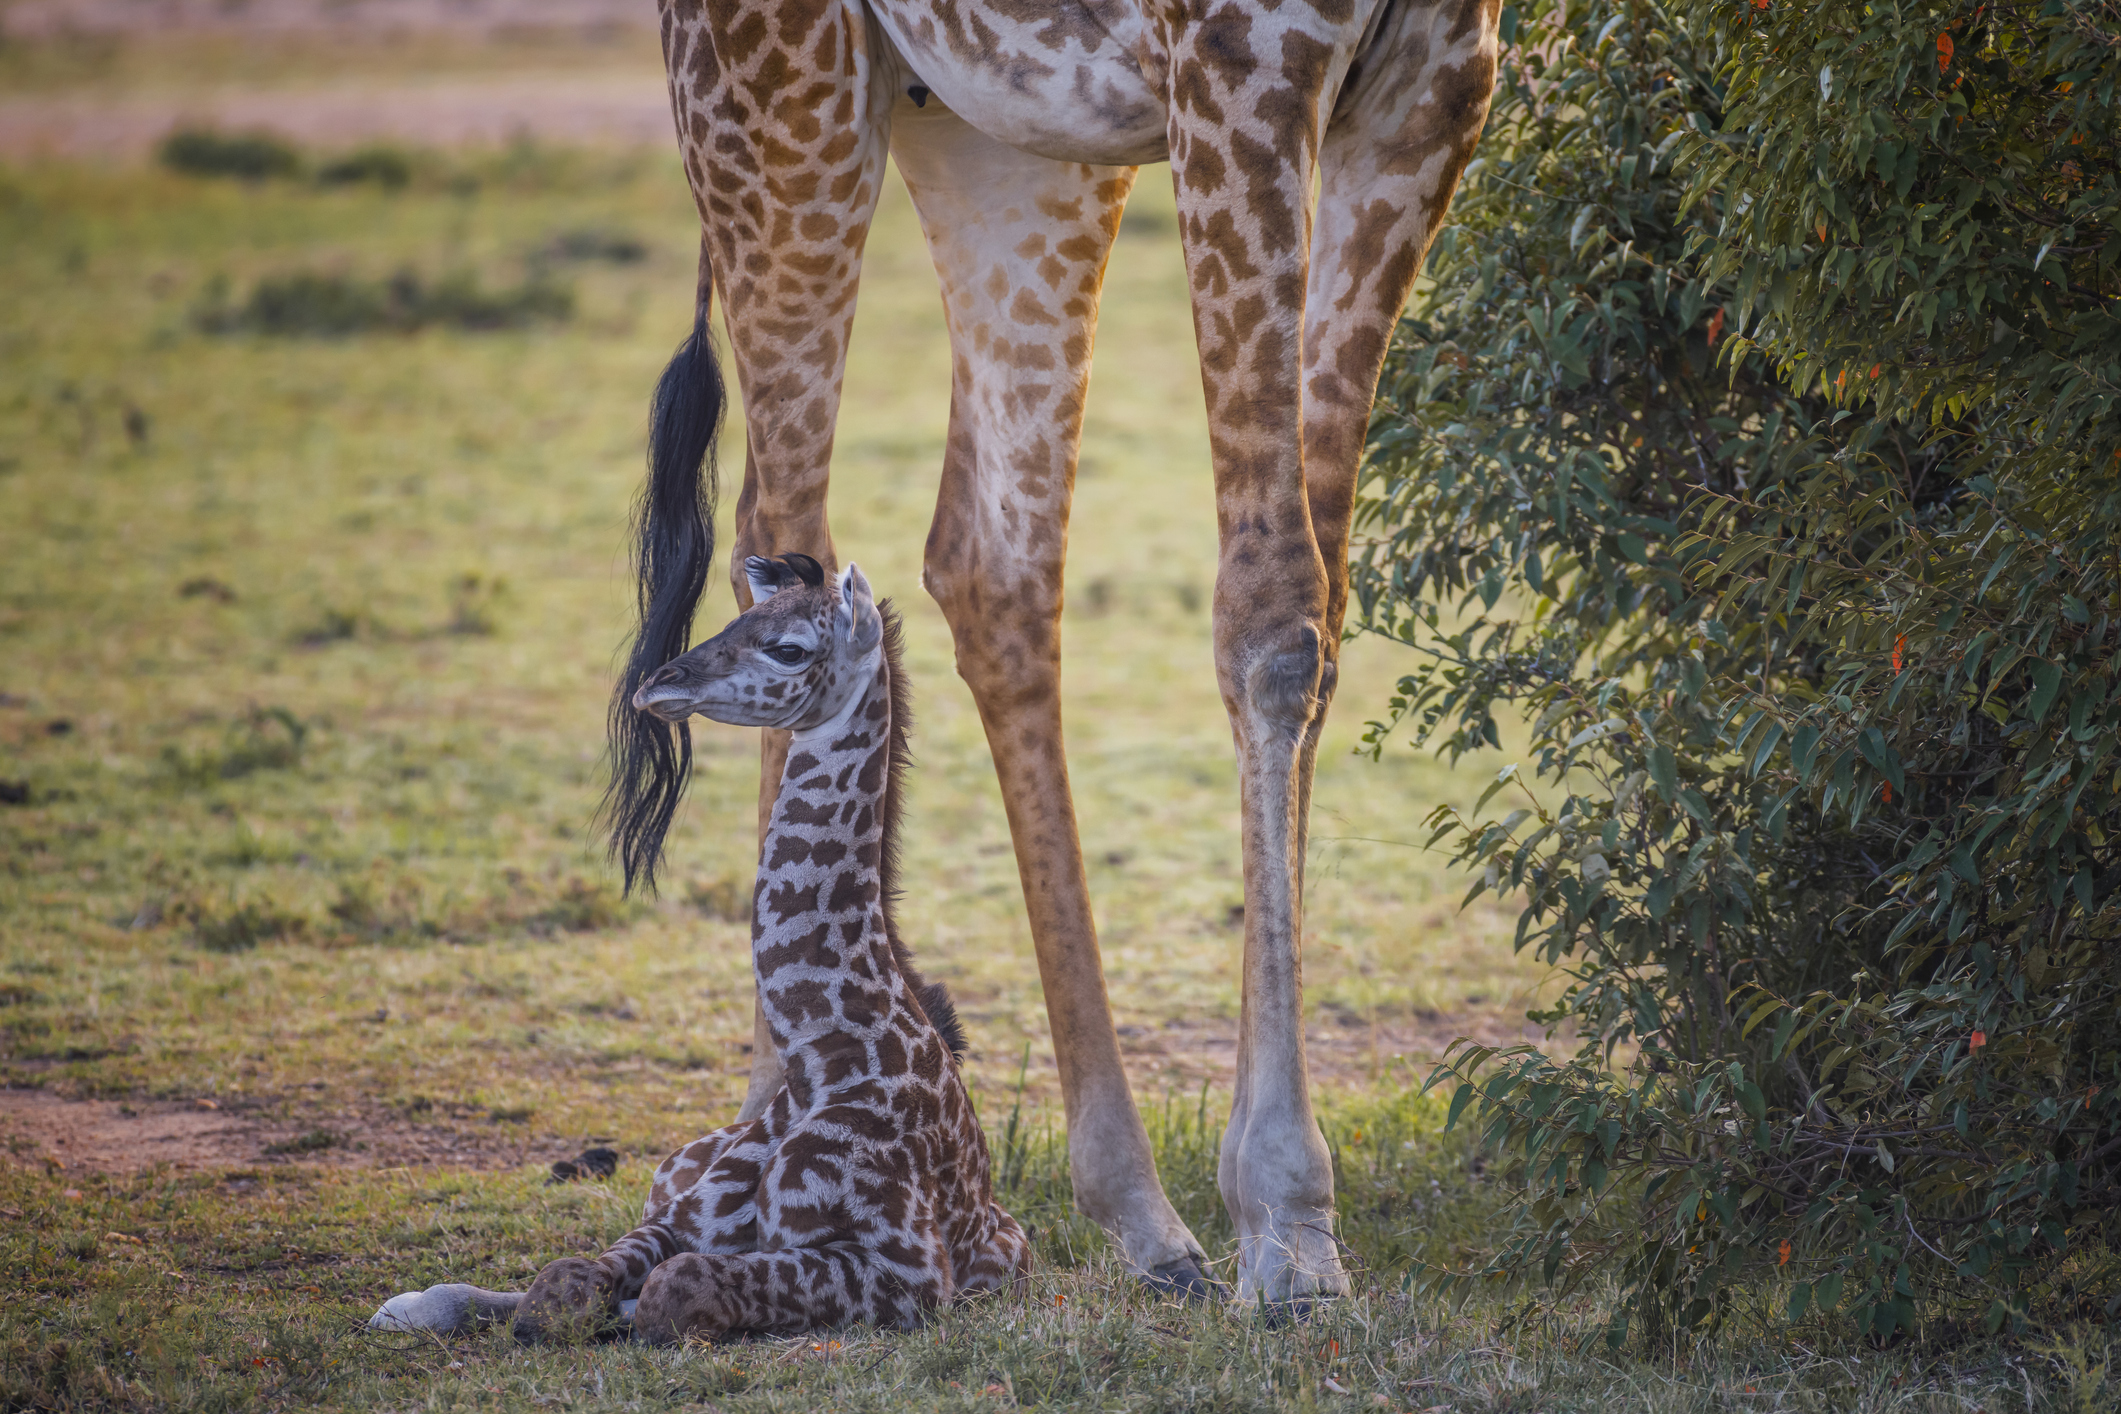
<point x="578" y="109"/>
<point x="46" y="19"/>
<point x="577" y="93"/>
<point x="40" y="1130"/>
<point x="1344" y="1053"/>
<point x="58" y="1135"/>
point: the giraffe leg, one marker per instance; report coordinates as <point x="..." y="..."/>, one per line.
<point x="1252" y="96"/>
<point x="1404" y="127"/>
<point x="452" y="1308"/>
<point x="847" y="1232"/>
<point x="1277" y="338"/>
<point x="1019" y="243"/>
<point x="703" y="1198"/>
<point x="999" y="1261"/>
<point x="783" y="122"/>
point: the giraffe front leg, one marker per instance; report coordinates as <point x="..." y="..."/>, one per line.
<point x="1255" y="93"/>
<point x="702" y="1198"/>
<point x="577" y="1298"/>
<point x="1020" y="244"/>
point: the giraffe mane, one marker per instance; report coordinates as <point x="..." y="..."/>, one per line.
<point x="933" y="997"/>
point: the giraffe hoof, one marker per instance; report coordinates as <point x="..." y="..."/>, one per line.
<point x="572" y="1300"/>
<point x="1184" y="1278"/>
<point x="1293" y="1312"/>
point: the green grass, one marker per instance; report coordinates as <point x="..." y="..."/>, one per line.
<point x="237" y="567"/>
<point x="248" y="1291"/>
<point x="304" y="647"/>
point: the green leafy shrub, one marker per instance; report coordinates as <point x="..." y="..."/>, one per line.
<point x="200" y="152"/>
<point x="1801" y="562"/>
<point x="312" y="305"/>
<point x="384" y="166"/>
<point x="597" y="243"/>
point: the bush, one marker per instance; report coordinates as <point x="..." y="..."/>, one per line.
<point x="308" y="304"/>
<point x="251" y="156"/>
<point x="597" y="243"/>
<point x="1816" y="548"/>
<point x="387" y="167"/>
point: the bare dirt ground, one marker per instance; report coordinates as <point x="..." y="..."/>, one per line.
<point x="45" y="19"/>
<point x="572" y="86"/>
<point x="573" y="108"/>
<point x="41" y="1130"/>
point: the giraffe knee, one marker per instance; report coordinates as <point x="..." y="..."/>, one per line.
<point x="674" y="1301"/>
<point x="1289" y="687"/>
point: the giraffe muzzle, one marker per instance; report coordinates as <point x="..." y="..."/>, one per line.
<point x="667" y="693"/>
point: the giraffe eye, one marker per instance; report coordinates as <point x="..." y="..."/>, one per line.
<point x="789" y="653"/>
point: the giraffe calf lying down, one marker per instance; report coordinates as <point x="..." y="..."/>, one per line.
<point x="863" y="1193"/>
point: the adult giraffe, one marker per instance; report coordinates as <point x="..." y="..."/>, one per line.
<point x="1018" y="126"/>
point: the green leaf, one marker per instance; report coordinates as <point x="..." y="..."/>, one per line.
<point x="1664" y="771"/>
<point x="1785" y="1027"/>
<point x="1800" y="1300"/>
<point x="2047" y="681"/>
<point x="1465" y="1096"/>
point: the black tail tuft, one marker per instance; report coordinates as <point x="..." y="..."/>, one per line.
<point x="674" y="529"/>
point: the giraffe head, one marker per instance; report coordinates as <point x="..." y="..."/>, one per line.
<point x="796" y="658"/>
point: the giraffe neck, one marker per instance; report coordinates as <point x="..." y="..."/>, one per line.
<point x="820" y="945"/>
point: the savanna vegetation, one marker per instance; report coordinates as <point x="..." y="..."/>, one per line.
<point x="314" y="466"/>
<point x="1762" y="421"/>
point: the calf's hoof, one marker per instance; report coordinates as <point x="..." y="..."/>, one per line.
<point x="572" y="1300"/>
<point x="1184" y="1278"/>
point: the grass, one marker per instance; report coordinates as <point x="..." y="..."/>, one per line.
<point x="304" y="646"/>
<point x="247" y="1290"/>
<point x="330" y="622"/>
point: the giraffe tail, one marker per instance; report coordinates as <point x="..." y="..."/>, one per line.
<point x="673" y="549"/>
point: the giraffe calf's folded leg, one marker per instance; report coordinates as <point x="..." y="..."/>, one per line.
<point x="696" y="1297"/>
<point x="453" y="1308"/>
<point x="579" y="1299"/>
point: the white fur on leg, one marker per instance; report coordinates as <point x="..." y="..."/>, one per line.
<point x="454" y="1308"/>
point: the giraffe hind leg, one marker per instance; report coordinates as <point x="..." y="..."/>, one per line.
<point x="710" y="1296"/>
<point x="452" y="1308"/>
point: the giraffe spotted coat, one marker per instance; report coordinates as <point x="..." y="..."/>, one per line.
<point x="863" y="1192"/>
<point x="1313" y="146"/>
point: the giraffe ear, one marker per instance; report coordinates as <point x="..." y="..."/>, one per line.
<point x="764" y="576"/>
<point x="859" y="620"/>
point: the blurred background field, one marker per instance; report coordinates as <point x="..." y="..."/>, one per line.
<point x="312" y="573"/>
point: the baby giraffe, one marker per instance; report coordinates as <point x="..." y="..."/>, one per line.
<point x="863" y="1193"/>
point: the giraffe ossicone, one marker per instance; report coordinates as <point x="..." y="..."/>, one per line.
<point x="864" y="1190"/>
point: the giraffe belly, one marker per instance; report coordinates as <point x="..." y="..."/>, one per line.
<point x="1062" y="80"/>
